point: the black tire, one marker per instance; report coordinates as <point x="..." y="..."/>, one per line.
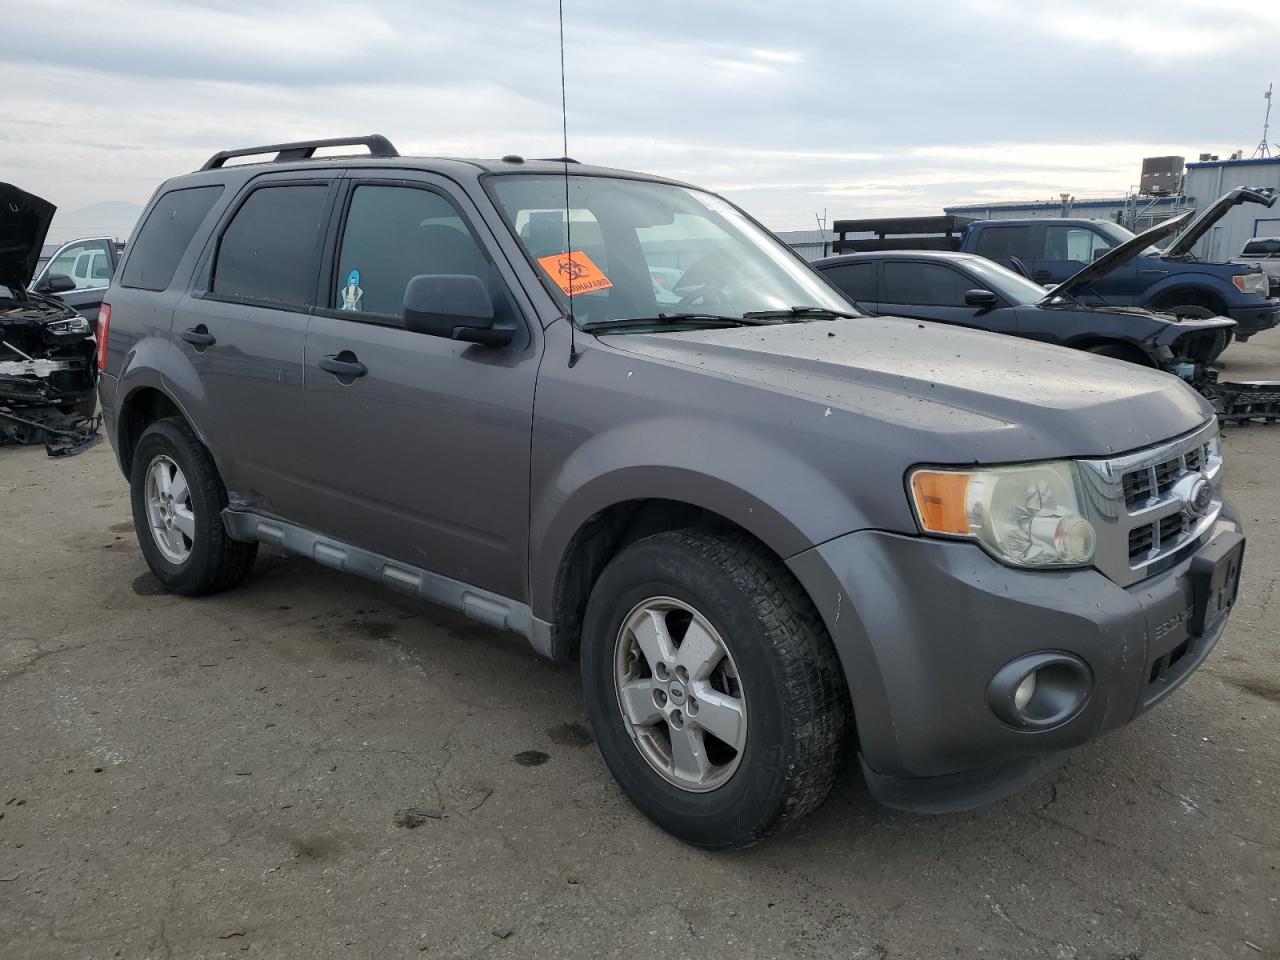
<point x="1118" y="351"/>
<point x="216" y="562"/>
<point x="797" y="704"/>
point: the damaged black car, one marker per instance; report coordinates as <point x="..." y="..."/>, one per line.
<point x="48" y="373"/>
<point x="971" y="291"/>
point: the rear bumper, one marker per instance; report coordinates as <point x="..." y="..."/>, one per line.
<point x="1251" y="320"/>
<point x="923" y="626"/>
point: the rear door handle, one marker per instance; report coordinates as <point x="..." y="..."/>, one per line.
<point x="343" y="365"/>
<point x="199" y="336"/>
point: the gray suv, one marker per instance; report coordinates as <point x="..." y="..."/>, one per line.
<point x="612" y="413"/>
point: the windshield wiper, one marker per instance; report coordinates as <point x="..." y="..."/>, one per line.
<point x="797" y="314"/>
<point x="660" y="319"/>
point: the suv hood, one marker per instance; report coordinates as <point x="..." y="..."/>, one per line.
<point x="983" y="397"/>
<point x="1119" y="256"/>
<point x="24" y="224"/>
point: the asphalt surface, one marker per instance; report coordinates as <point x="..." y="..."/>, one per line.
<point x="310" y="767"/>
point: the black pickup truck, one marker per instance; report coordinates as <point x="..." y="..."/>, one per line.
<point x="1049" y="250"/>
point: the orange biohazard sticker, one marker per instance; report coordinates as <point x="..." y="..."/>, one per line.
<point x="575" y="273"/>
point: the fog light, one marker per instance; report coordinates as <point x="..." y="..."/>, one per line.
<point x="1026" y="690"/>
<point x="1040" y="690"/>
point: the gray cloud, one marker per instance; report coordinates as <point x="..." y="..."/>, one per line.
<point x="788" y="108"/>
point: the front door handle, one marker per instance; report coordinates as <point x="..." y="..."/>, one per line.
<point x="199" y="337"/>
<point x="344" y="366"/>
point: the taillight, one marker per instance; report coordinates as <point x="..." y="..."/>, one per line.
<point x="104" y="331"/>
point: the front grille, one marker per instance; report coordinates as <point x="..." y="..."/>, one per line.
<point x="1137" y="487"/>
<point x="1137" y="504"/>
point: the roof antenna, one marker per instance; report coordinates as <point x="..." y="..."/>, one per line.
<point x="564" y="156"/>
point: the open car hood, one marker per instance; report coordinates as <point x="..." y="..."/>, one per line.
<point x="24" y="223"/>
<point x="1215" y="212"/>
<point x="1118" y="257"/>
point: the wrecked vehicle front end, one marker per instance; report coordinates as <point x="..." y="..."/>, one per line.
<point x="48" y="373"/>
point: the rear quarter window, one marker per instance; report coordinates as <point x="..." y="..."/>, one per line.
<point x="856" y="280"/>
<point x="159" y="245"/>
<point x="1003" y="243"/>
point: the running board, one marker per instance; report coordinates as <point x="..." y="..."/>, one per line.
<point x="478" y="604"/>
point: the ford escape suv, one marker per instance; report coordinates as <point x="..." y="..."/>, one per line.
<point x="612" y="413"/>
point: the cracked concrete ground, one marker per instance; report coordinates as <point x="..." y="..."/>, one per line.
<point x="225" y="777"/>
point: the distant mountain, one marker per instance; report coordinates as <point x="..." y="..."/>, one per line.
<point x="110" y="218"/>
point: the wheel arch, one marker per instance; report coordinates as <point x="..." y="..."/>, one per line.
<point x="582" y="548"/>
<point x="1177" y="293"/>
<point x="1133" y="353"/>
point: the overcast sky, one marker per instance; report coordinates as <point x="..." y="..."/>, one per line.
<point x="786" y="107"/>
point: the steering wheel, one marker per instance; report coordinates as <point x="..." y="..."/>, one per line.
<point x="706" y="295"/>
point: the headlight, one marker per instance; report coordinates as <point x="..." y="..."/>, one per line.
<point x="1025" y="516"/>
<point x="75" y="324"/>
<point x="1255" y="283"/>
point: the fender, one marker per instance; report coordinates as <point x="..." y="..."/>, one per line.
<point x="179" y="382"/>
<point x="637" y="461"/>
<point x="1191" y="282"/>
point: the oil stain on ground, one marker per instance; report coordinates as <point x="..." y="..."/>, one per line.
<point x="531" y="758"/>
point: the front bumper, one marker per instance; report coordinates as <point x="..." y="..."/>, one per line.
<point x="1251" y="320"/>
<point x="922" y="626"/>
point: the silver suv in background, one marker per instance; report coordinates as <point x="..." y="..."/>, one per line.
<point x="773" y="530"/>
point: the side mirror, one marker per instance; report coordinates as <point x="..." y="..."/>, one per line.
<point x="55" y="283"/>
<point x="980" y="298"/>
<point x="454" y="306"/>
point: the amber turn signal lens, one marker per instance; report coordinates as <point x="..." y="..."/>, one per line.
<point x="940" y="500"/>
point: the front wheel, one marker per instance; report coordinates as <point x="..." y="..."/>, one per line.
<point x="177" y="498"/>
<point x="712" y="687"/>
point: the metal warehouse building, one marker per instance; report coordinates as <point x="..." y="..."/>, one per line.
<point x="1208" y="181"/>
<point x="1204" y="182"/>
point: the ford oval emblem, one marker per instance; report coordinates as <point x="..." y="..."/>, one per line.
<point x="1199" y="497"/>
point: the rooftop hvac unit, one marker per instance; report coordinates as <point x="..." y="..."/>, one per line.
<point x="1161" y="176"/>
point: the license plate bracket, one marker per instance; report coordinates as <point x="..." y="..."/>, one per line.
<point x="1215" y="580"/>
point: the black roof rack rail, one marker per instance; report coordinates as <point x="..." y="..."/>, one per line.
<point x="379" y="146"/>
<point x="555" y="160"/>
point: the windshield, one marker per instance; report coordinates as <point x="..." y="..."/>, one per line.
<point x="648" y="250"/>
<point x="1014" y="287"/>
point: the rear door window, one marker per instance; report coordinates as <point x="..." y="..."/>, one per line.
<point x="856" y="280"/>
<point x="1075" y="244"/>
<point x="923" y="284"/>
<point x="268" y="252"/>
<point x="157" y="248"/>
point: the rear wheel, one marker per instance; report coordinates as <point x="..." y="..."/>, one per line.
<point x="177" y="498"/>
<point x="712" y="687"/>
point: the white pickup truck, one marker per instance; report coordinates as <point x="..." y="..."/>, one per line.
<point x="1263" y="253"/>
